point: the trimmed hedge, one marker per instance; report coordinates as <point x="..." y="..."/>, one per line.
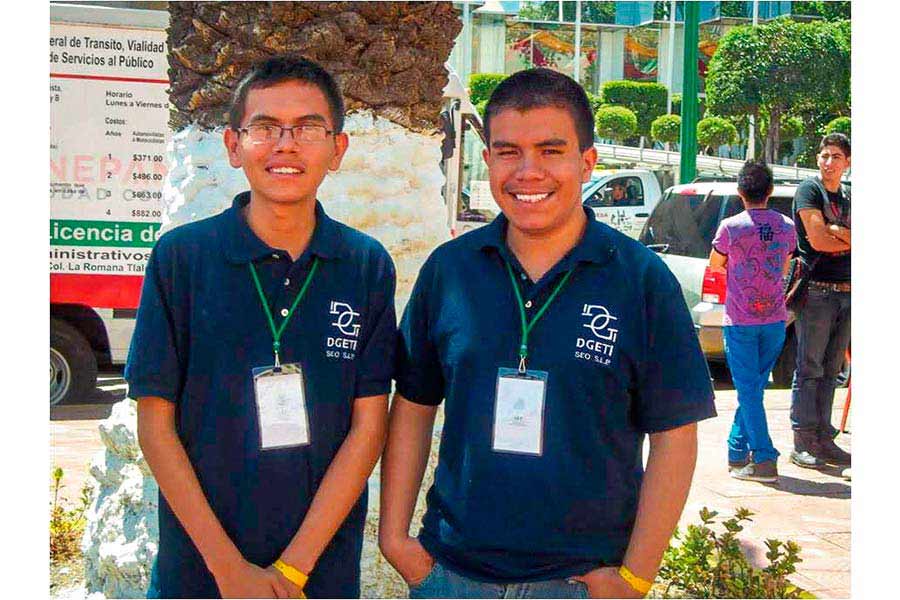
<point x="595" y="101"/>
<point x="666" y="128"/>
<point x="676" y="106"/>
<point x="715" y="131"/>
<point x="839" y="125"/>
<point x="646" y="99"/>
<point x="616" y="122"/>
<point x="482" y="85"/>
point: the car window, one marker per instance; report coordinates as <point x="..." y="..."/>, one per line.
<point x="618" y="192"/>
<point x="686" y="223"/>
<point x="783" y="204"/>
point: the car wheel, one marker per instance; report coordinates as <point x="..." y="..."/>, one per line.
<point x="73" y="366"/>
<point x="783" y="372"/>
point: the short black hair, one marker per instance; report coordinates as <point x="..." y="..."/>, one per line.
<point x="537" y="88"/>
<point x="281" y="68"/>
<point x="836" y="139"/>
<point x="755" y="181"/>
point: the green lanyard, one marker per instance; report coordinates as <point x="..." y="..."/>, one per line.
<point x="276" y="333"/>
<point x="526" y="326"/>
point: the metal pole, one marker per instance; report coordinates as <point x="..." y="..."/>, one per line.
<point x="689" y="102"/>
<point x="751" y="143"/>
<point x="577" y="40"/>
<point x="467" y="47"/>
<point x="560" y="5"/>
<point x="671" y="61"/>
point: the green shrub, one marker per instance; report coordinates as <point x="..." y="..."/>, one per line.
<point x="704" y="564"/>
<point x="676" y="106"/>
<point x="839" y="125"/>
<point x="66" y="526"/>
<point x="616" y="122"/>
<point x="482" y="85"/>
<point x="480" y="107"/>
<point x="595" y="101"/>
<point x="646" y="99"/>
<point x="715" y="131"/>
<point x="666" y="128"/>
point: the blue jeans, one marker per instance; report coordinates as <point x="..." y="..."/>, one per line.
<point x="751" y="352"/>
<point x="823" y="334"/>
<point x="441" y="582"/>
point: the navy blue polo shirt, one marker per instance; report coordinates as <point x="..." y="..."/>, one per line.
<point x="201" y="329"/>
<point x="623" y="361"/>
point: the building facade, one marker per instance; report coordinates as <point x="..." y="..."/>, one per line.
<point x="594" y="42"/>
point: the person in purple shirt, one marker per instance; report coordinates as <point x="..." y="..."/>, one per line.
<point x="754" y="247"/>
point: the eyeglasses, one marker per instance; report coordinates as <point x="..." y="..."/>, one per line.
<point x="270" y="134"/>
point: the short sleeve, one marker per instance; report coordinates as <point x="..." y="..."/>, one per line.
<point x="674" y="386"/>
<point x="153" y="367"/>
<point x="722" y="240"/>
<point x="419" y="375"/>
<point x="808" y="196"/>
<point x="376" y="360"/>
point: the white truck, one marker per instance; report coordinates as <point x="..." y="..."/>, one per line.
<point x="622" y="198"/>
<point x="109" y="116"/>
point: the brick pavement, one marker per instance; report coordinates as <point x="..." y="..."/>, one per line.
<point x="808" y="506"/>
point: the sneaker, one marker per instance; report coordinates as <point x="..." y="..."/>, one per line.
<point x="764" y="472"/>
<point x="807" y="452"/>
<point x="806" y="460"/>
<point x="737" y="464"/>
<point x="831" y="453"/>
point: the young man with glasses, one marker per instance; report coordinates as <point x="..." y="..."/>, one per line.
<point x="558" y="344"/>
<point x="822" y="218"/>
<point x="261" y="363"/>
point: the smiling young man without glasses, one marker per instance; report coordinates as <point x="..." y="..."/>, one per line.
<point x="261" y="362"/>
<point x="558" y="344"/>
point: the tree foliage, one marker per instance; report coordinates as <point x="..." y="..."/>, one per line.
<point x="616" y="122"/>
<point x="839" y="125"/>
<point x="646" y="99"/>
<point x="715" y="131"/>
<point x="591" y="12"/>
<point x="666" y="128"/>
<point x="482" y="85"/>
<point x="830" y="11"/>
<point x="778" y="68"/>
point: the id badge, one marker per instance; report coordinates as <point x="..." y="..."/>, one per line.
<point x="281" y="406"/>
<point x="519" y="412"/>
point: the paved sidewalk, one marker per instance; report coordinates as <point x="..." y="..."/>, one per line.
<point x="808" y="506"/>
<point x="811" y="507"/>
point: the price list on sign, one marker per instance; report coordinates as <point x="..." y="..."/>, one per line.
<point x="109" y="116"/>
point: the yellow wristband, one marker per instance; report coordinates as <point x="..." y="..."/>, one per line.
<point x="638" y="584"/>
<point x="295" y="576"/>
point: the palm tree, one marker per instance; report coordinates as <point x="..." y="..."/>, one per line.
<point x="387" y="56"/>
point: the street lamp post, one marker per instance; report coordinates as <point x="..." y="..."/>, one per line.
<point x="689" y="103"/>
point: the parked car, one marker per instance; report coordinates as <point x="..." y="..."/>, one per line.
<point x="622" y="198"/>
<point x="681" y="229"/>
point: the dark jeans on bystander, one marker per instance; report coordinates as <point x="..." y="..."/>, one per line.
<point x="823" y="334"/>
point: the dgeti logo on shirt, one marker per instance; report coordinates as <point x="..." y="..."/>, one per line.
<point x="347" y="323"/>
<point x="600" y="346"/>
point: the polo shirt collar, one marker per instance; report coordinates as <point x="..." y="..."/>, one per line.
<point x="595" y="245"/>
<point x="242" y="245"/>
